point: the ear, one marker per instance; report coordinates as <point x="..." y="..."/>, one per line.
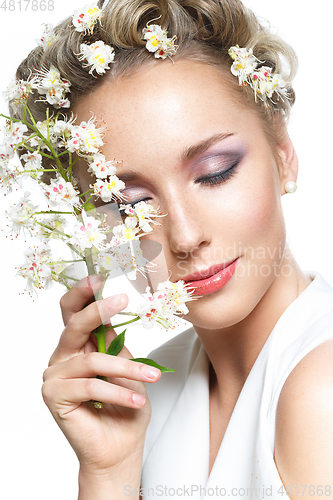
<point x="288" y="165"/>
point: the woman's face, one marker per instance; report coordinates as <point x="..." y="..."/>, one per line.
<point x="189" y="147"/>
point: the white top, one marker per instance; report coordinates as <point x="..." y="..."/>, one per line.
<point x="176" y="454"/>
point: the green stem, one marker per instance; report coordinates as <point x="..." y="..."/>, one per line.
<point x="100" y="336"/>
<point x="127" y="322"/>
<point x="86" y="202"/>
<point x="83" y="194"/>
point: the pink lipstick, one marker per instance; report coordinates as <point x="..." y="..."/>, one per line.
<point x="212" y="279"/>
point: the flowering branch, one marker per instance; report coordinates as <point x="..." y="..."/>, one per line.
<point x="63" y="213"/>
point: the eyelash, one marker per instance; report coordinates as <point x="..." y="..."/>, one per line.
<point x="212" y="180"/>
<point x="218" y="178"/>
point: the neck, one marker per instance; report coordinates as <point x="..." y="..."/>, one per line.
<point x="233" y="350"/>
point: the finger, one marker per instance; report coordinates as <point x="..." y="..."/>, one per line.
<point x="72" y="392"/>
<point x="80" y="325"/>
<point x="96" y="363"/>
<point x="79" y="295"/>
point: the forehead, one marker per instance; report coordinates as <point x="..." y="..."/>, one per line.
<point x="163" y="108"/>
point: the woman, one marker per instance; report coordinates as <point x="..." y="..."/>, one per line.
<point x="218" y="169"/>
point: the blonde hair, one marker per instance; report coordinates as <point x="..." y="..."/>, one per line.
<point x="205" y="30"/>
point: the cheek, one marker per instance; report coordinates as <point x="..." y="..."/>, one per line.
<point x="253" y="209"/>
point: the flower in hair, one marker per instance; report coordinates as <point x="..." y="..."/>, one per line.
<point x="244" y="63"/>
<point x="48" y="36"/>
<point x="98" y="55"/>
<point x="261" y="80"/>
<point x="18" y="91"/>
<point x="158" y="42"/>
<point x="85" y="19"/>
<point x="53" y="87"/>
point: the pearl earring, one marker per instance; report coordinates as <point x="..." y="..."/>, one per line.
<point x="290" y="187"/>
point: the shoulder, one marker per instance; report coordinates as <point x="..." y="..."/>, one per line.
<point x="304" y="422"/>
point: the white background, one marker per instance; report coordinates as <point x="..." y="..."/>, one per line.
<point x="37" y="461"/>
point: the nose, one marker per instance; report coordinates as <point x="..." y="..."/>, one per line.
<point x="187" y="226"/>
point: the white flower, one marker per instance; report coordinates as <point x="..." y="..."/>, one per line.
<point x="98" y="55"/>
<point x="37" y="268"/>
<point x="158" y="42"/>
<point x="10" y="176"/>
<point x="18" y="90"/>
<point x="100" y="167"/>
<point x="56" y="226"/>
<point x="13" y="134"/>
<point x="176" y="294"/>
<point x="59" y="191"/>
<point x="85" y="138"/>
<point x="161" y="307"/>
<point x="109" y="189"/>
<point x="48" y="36"/>
<point x="127" y="258"/>
<point x="125" y="231"/>
<point x="6" y="154"/>
<point x="244" y="63"/>
<point x="261" y="80"/>
<point x="33" y="161"/>
<point x="265" y="84"/>
<point x="21" y="215"/>
<point x="53" y="87"/>
<point x="84" y="19"/>
<point x="87" y="233"/>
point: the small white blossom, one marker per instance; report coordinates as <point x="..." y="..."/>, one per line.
<point x="37" y="268"/>
<point x="84" y="19"/>
<point x="18" y="90"/>
<point x="85" y="138"/>
<point x="158" y="41"/>
<point x="161" y="307"/>
<point x="21" y="215"/>
<point x="33" y="161"/>
<point x="10" y="176"/>
<point x="244" y="63"/>
<point x="101" y="168"/>
<point x="59" y="191"/>
<point x="13" y="133"/>
<point x="98" y="55"/>
<point x="48" y="36"/>
<point x="125" y="231"/>
<point x="143" y="212"/>
<point x="127" y="258"/>
<point x="6" y="154"/>
<point x="261" y="80"/>
<point x="52" y="226"/>
<point x="87" y="233"/>
<point x="53" y="87"/>
<point x="109" y="189"/>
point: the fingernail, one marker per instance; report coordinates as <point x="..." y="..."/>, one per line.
<point x="150" y="372"/>
<point x="114" y="301"/>
<point x="138" y="399"/>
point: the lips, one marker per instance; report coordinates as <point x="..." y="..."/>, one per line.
<point x="210" y="280"/>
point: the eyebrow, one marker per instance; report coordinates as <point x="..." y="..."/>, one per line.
<point x="193" y="151"/>
<point x="188" y="154"/>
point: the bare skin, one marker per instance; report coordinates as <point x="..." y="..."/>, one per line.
<point x="162" y="112"/>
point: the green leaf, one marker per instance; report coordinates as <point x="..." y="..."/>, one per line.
<point x="117" y="344"/>
<point x="150" y="362"/>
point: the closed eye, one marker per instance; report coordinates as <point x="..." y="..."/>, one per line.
<point x="217" y="178"/>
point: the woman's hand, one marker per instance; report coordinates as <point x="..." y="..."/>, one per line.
<point x="105" y="440"/>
